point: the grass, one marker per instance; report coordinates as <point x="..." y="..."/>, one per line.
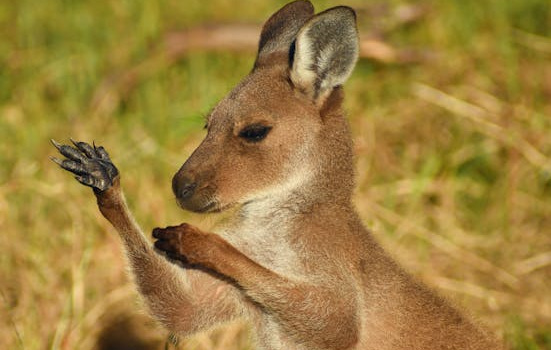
<point x="453" y="154"/>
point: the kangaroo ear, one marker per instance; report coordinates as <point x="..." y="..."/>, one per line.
<point x="280" y="30"/>
<point x="326" y="51"/>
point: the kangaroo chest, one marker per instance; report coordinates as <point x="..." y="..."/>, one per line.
<point x="268" y="241"/>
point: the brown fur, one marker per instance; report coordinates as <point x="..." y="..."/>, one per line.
<point x="295" y="260"/>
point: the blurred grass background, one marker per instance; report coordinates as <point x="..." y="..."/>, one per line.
<point x="453" y="157"/>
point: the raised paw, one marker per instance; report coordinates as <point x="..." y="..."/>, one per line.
<point x="170" y="240"/>
<point x="90" y="164"/>
<point x="184" y="243"/>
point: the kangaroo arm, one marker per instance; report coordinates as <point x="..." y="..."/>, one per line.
<point x="312" y="314"/>
<point x="185" y="301"/>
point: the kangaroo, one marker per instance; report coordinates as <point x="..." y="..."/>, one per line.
<point x="295" y="259"/>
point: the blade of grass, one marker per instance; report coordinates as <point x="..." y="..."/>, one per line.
<point x="480" y="118"/>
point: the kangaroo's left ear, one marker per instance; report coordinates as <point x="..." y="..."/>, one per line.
<point x="326" y="50"/>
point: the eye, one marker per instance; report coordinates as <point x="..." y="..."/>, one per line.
<point x="254" y="132"/>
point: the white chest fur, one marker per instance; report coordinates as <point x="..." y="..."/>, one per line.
<point x="263" y="231"/>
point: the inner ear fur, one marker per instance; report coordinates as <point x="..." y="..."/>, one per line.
<point x="326" y="51"/>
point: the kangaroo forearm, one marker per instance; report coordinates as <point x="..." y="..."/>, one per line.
<point x="185" y="302"/>
<point x="174" y="296"/>
<point x="300" y="307"/>
<point x="113" y="206"/>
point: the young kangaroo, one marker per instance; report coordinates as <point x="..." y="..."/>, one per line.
<point x="295" y="260"/>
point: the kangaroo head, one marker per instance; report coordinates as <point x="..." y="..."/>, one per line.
<point x="281" y="129"/>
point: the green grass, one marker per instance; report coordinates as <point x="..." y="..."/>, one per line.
<point x="460" y="205"/>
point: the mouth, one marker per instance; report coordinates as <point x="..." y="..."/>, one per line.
<point x="208" y="208"/>
<point x="212" y="206"/>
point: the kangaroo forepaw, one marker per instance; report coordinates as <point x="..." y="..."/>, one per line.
<point x="170" y="241"/>
<point x="185" y="243"/>
<point x="90" y="164"/>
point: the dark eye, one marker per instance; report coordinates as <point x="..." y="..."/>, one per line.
<point x="255" y="132"/>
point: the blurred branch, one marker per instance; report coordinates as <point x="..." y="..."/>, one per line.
<point x="532" y="41"/>
<point x="217" y="37"/>
<point x="536" y="262"/>
<point x="495" y="299"/>
<point x="244" y="38"/>
<point x="240" y="38"/>
<point x="481" y="119"/>
<point x="535" y="307"/>
<point x="385" y="18"/>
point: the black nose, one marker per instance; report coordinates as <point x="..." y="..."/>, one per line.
<point x="183" y="188"/>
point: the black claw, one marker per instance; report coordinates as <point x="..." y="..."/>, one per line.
<point x="85" y="148"/>
<point x="70" y="165"/>
<point x="56" y="145"/>
<point x="102" y="153"/>
<point x="69" y="152"/>
<point x="56" y="160"/>
<point x="73" y="154"/>
<point x="74" y="167"/>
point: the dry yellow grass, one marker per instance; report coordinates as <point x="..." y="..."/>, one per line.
<point x="453" y="158"/>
